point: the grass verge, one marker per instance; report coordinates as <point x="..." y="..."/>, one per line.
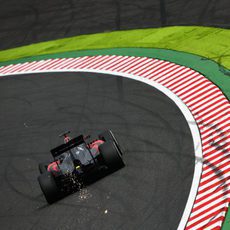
<point x="211" y="43"/>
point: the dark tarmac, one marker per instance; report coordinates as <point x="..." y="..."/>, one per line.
<point x="30" y="21"/>
<point x="149" y="193"/>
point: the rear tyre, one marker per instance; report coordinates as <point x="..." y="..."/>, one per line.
<point x="42" y="167"/>
<point x="49" y="187"/>
<point x="109" y="136"/>
<point x="111" y="155"/>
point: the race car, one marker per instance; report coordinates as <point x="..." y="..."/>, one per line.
<point x="77" y="160"/>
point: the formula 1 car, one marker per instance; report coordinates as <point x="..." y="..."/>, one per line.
<point x="76" y="160"/>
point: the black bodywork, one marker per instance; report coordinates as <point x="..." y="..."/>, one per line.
<point x="77" y="163"/>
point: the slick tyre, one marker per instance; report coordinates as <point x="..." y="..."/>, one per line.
<point x="111" y="155"/>
<point x="42" y="168"/>
<point x="49" y="187"/>
<point x="109" y="136"/>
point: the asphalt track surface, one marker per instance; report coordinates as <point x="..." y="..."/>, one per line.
<point x="30" y="21"/>
<point x="149" y="193"/>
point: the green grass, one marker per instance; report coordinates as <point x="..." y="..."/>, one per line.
<point x="212" y="43"/>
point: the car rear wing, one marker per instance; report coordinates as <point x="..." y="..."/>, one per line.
<point x="65" y="147"/>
